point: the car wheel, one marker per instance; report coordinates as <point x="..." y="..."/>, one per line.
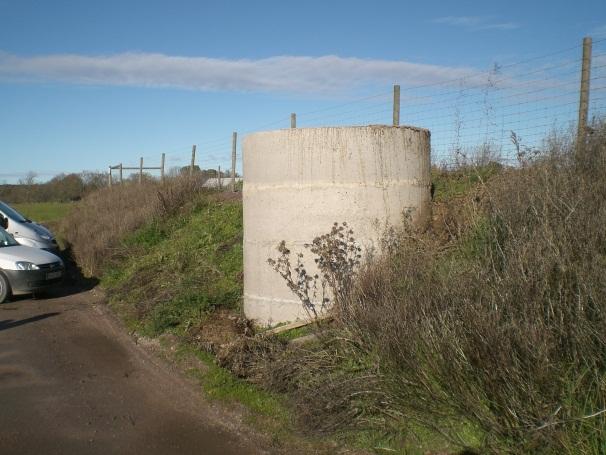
<point x="5" y="288"/>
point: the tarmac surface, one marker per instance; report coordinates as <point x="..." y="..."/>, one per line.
<point x="72" y="382"/>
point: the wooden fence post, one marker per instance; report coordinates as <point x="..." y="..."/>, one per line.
<point x="234" y="142"/>
<point x="141" y="171"/>
<point x="120" y="173"/>
<point x="193" y="161"/>
<point x="109" y="177"/>
<point x="584" y="94"/>
<point x="396" y="105"/>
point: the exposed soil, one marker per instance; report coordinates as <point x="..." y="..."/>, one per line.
<point x="221" y="328"/>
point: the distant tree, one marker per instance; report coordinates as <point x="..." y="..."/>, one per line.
<point x="205" y="173"/>
<point x="66" y="187"/>
<point x="174" y="171"/>
<point x="93" y="180"/>
<point x="29" y="179"/>
<point x="28" y="185"/>
<point x="185" y="170"/>
<point x="134" y="178"/>
<point x="214" y="172"/>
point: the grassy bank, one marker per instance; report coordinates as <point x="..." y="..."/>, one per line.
<point x="172" y="268"/>
<point x="485" y="333"/>
<point x="173" y="272"/>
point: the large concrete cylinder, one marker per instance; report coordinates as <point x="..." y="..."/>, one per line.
<point x="299" y="182"/>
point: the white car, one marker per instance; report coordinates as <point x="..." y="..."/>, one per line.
<point x="25" y="231"/>
<point x="24" y="270"/>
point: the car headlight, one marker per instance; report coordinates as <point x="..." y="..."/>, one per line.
<point x="22" y="265"/>
<point x="46" y="237"/>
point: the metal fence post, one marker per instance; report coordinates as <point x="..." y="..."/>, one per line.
<point x="162" y="168"/>
<point x="293" y="120"/>
<point x="140" y="170"/>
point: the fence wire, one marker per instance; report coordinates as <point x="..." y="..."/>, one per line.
<point x="471" y="118"/>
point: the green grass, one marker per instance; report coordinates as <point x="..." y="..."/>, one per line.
<point x="173" y="273"/>
<point x="179" y="270"/>
<point x="451" y="184"/>
<point x="403" y="442"/>
<point x="44" y="212"/>
<point x="267" y="411"/>
<point x="219" y="383"/>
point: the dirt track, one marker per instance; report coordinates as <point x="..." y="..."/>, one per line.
<point x="71" y="382"/>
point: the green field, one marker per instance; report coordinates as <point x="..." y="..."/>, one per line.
<point x="44" y="212"/>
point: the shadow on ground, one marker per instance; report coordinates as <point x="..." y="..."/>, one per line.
<point x="10" y="323"/>
<point x="75" y="281"/>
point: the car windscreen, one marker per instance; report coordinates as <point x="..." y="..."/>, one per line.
<point x="12" y="213"/>
<point x="6" y="239"/>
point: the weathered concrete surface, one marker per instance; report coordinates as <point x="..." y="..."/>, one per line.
<point x="298" y="182"/>
<point x="72" y="383"/>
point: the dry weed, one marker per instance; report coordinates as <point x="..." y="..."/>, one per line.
<point x="94" y="228"/>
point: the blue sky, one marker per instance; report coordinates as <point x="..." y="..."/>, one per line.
<point x="85" y="84"/>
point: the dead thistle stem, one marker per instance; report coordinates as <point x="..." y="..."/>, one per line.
<point x="337" y="259"/>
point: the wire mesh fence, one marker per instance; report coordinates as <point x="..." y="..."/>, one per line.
<point x="483" y="116"/>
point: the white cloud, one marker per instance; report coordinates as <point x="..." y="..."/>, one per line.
<point x="475" y="23"/>
<point x="294" y="74"/>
